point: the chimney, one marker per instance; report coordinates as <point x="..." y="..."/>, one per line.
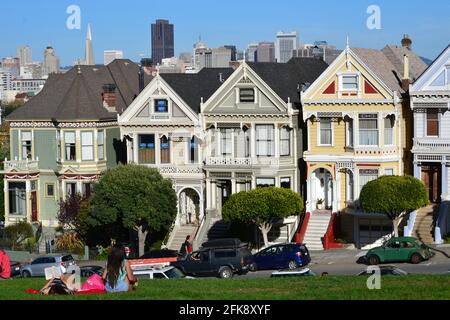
<point x="109" y="97"/>
<point x="406" y="80"/>
<point x="407" y="42"/>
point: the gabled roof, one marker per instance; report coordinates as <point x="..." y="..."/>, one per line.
<point x="77" y="95"/>
<point x="387" y="64"/>
<point x="286" y="78"/>
<point x="193" y="87"/>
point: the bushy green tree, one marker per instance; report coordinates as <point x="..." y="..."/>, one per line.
<point x="73" y="213"/>
<point x="395" y="196"/>
<point x="17" y="233"/>
<point x="261" y="206"/>
<point x="137" y="196"/>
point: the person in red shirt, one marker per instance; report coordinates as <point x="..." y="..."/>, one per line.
<point x="5" y="266"/>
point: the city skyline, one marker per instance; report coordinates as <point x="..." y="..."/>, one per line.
<point x="133" y="29"/>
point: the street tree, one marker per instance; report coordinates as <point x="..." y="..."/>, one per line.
<point x="394" y="196"/>
<point x="138" y="197"/>
<point x="262" y="206"/>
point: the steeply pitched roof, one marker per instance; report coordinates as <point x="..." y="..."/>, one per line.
<point x="387" y="64"/>
<point x="193" y="87"/>
<point x="78" y="96"/>
<point x="286" y="78"/>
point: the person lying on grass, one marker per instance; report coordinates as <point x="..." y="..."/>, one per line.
<point x="118" y="275"/>
<point x="60" y="286"/>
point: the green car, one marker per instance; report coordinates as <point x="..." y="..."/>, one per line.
<point x="400" y="249"/>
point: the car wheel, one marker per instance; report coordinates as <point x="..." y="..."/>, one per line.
<point x="374" y="260"/>
<point x="292" y="265"/>
<point x="253" y="267"/>
<point x="416" y="258"/>
<point x="26" y="274"/>
<point x="226" y="273"/>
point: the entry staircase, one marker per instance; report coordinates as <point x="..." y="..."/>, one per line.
<point x="179" y="235"/>
<point x="218" y="229"/>
<point x="316" y="229"/>
<point x="424" y="224"/>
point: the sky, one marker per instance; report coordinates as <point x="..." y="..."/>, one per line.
<point x="125" y="25"/>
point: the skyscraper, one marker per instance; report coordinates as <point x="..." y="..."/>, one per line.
<point x="252" y="52"/>
<point x="25" y="55"/>
<point x="111" y="55"/>
<point x="162" y="41"/>
<point x="233" y="51"/>
<point x="89" y="53"/>
<point x="51" y="62"/>
<point x="286" y="43"/>
<point x="265" y="52"/>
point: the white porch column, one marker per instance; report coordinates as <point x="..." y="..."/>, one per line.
<point x="253" y="141"/>
<point x="28" y="199"/>
<point x="277" y="140"/>
<point x="308" y="195"/>
<point x="136" y="148"/>
<point x="233" y="186"/>
<point x="417" y="171"/>
<point x="208" y="193"/>
<point x="218" y="144"/>
<point x="444" y="181"/>
<point x="214" y="195"/>
<point x="337" y="191"/>
<point x="6" y="197"/>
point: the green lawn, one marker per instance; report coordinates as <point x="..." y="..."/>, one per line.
<point x="352" y="287"/>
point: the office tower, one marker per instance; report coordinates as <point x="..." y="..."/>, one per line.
<point x="12" y="65"/>
<point x="25" y="55"/>
<point x="89" y="53"/>
<point x="162" y="41"/>
<point x="233" y="52"/>
<point x="286" y="43"/>
<point x="51" y="62"/>
<point x="265" y="52"/>
<point x="205" y="57"/>
<point x="111" y="55"/>
<point x="251" y="55"/>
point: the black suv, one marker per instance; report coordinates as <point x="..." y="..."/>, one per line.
<point x="222" y="257"/>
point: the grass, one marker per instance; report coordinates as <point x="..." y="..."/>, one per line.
<point x="423" y="287"/>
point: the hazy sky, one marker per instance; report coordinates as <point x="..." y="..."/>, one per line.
<point x="125" y="25"/>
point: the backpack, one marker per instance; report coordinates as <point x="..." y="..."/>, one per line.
<point x="183" y="248"/>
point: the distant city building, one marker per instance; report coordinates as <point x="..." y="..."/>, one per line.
<point x="11" y="64"/>
<point x="162" y="41"/>
<point x="252" y="52"/>
<point x="205" y="57"/>
<point x="286" y="43"/>
<point x="5" y="79"/>
<point x="25" y="55"/>
<point x="30" y="86"/>
<point x="265" y="52"/>
<point x="31" y="71"/>
<point x="320" y="49"/>
<point x="233" y="51"/>
<point x="89" y="53"/>
<point x="51" y="62"/>
<point x="111" y="55"/>
<point x="239" y="55"/>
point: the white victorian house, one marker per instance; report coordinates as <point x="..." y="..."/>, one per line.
<point x="430" y="103"/>
<point x="163" y="131"/>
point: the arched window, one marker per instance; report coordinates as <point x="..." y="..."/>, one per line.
<point x="165" y="150"/>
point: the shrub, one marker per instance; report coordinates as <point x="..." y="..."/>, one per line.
<point x="70" y="243"/>
<point x="17" y="233"/>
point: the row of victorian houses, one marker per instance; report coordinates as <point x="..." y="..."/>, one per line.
<point x="321" y="130"/>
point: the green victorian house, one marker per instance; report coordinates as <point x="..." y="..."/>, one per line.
<point x="63" y="138"/>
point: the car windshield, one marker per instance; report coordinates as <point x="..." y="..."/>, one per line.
<point x="175" y="273"/>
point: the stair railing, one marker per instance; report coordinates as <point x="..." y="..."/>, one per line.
<point x="300" y="235"/>
<point x="329" y="238"/>
<point x="201" y="231"/>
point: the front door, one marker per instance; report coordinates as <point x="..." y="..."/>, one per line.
<point x="34" y="208"/>
<point x="431" y="176"/>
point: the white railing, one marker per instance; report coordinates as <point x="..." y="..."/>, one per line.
<point x="227" y="161"/>
<point x="187" y="169"/>
<point x="21" y="165"/>
<point x="432" y="143"/>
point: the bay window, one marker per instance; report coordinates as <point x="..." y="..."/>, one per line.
<point x="368" y="129"/>
<point x="165" y="150"/>
<point x="101" y="144"/>
<point x="193" y="150"/>
<point x="325" y="131"/>
<point x="349" y="139"/>
<point x="367" y="175"/>
<point x="285" y="141"/>
<point x="265" y="140"/>
<point x="388" y="131"/>
<point x="432" y="123"/>
<point x="70" y="146"/>
<point x="17" y="198"/>
<point x="147" y="149"/>
<point x="87" y="146"/>
<point x="226" y="136"/>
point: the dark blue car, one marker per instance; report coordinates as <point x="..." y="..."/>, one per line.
<point x="282" y="256"/>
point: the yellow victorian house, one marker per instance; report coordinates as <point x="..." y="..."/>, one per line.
<point x="359" y="128"/>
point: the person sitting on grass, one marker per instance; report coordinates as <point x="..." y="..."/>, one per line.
<point x="118" y="275"/>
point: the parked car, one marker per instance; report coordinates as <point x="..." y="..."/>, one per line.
<point x="88" y="271"/>
<point x="292" y="273"/>
<point x="386" y="271"/>
<point x="222" y="258"/>
<point x="282" y="256"/>
<point x="161" y="273"/>
<point x="15" y="268"/>
<point x="399" y="249"/>
<point x="37" y="267"/>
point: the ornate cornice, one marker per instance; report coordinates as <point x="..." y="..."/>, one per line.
<point x="47" y="124"/>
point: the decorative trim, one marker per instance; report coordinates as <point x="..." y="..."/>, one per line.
<point x="46" y="124"/>
<point x="21" y="176"/>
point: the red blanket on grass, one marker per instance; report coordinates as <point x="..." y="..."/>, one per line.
<point x="81" y="292"/>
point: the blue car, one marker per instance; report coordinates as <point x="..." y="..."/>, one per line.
<point x="282" y="256"/>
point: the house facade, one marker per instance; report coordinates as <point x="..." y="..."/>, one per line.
<point x="430" y="103"/>
<point x="358" y="126"/>
<point x="64" y="138"/>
